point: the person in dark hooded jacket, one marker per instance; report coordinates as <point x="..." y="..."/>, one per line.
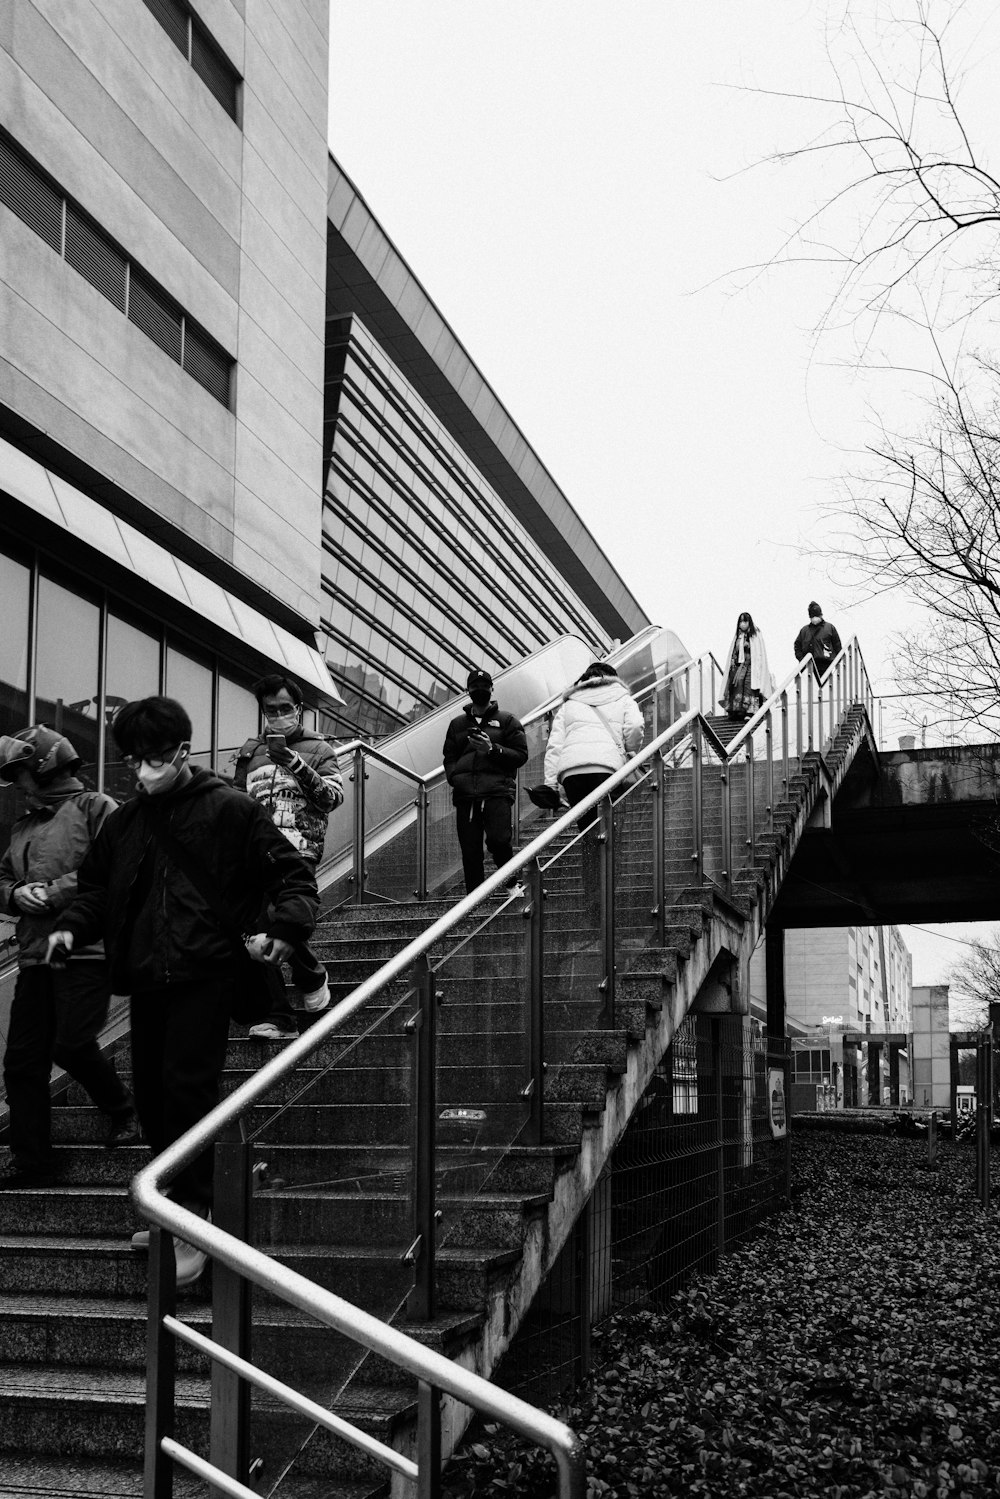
<point x="141" y="888"/>
<point x="56" y="1016"/>
<point x="818" y="639"/>
<point x="483" y="751"/>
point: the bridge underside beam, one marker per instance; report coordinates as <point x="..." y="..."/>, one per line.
<point x="880" y="865"/>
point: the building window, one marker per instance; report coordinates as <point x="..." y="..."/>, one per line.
<point x="86" y="656"/>
<point x="65" y="228"/>
<point x="196" y="44"/>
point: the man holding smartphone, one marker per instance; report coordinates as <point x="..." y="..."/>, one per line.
<point x="294" y="775"/>
<point x="483" y="750"/>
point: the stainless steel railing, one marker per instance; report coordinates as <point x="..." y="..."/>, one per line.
<point x="819" y="707"/>
<point x="696" y="680"/>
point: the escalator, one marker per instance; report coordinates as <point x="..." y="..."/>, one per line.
<point x="393" y="839"/>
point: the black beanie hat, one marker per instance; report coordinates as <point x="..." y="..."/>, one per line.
<point x="814" y="608"/>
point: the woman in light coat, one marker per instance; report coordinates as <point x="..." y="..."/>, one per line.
<point x="748" y="677"/>
<point x="597" y="728"/>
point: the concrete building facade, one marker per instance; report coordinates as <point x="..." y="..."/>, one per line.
<point x="235" y="433"/>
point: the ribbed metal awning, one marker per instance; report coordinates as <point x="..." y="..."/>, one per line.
<point x="80" y="516"/>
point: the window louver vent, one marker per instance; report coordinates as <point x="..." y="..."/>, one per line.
<point x="92" y="254"/>
<point x="206" y="363"/>
<point x="214" y="71"/>
<point x="30" y="195"/>
<point x="205" y="56"/>
<point x="174" y="20"/>
<point x="157" y="316"/>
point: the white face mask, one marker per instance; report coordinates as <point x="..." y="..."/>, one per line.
<point x="156" y="779"/>
<point x="282" y="723"/>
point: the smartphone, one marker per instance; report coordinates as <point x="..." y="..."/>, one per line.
<point x="275" y="741"/>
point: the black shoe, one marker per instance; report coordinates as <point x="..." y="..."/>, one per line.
<point x="14" y="1177"/>
<point x="123" y="1129"/>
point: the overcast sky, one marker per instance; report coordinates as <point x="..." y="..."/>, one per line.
<point x="573" y="183"/>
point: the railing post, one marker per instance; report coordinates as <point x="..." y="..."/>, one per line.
<point x="810" y="707"/>
<point x="798" y="716"/>
<point x="727" y="824"/>
<point x="534" y="1026"/>
<point x="161" y="1366"/>
<point x="769" y="751"/>
<point x="701" y="684"/>
<point x="428" y="1441"/>
<point x="671" y="703"/>
<point x="606" y="846"/>
<point x="423" y="1027"/>
<point x="820" y="737"/>
<point x="698" y="853"/>
<point x="659" y="848"/>
<point x="231" y="1309"/>
<point x="359" y="777"/>
<point x="751" y="799"/>
<point x="423" y="803"/>
<point x="784" y="746"/>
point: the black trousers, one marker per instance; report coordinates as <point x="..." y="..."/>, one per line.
<point x="576" y="788"/>
<point x="480" y="818"/>
<point x="56" y="1016"/>
<point x="179" y="1036"/>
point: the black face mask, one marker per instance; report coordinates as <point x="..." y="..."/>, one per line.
<point x="480" y="697"/>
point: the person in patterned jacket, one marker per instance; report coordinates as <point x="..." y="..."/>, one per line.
<point x="294" y="775"/>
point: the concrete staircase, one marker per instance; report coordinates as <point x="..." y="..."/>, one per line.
<point x="333" y="1200"/>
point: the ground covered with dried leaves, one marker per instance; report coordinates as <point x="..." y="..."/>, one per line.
<point x="852" y="1350"/>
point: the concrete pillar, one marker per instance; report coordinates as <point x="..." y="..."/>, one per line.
<point x="874" y="1073"/>
<point x="774" y="978"/>
<point x="894" y="1073"/>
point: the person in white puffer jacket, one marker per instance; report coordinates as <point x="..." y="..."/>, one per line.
<point x="598" y="727"/>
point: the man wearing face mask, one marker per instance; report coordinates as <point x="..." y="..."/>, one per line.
<point x="294" y="775"/>
<point x="483" y="750"/>
<point x="173" y="878"/>
<point x="56" y="1015"/>
<point x="818" y="639"/>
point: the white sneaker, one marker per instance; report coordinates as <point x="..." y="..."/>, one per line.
<point x="141" y="1239"/>
<point x="317" y="1000"/>
<point x="268" y="1031"/>
<point x="189" y="1260"/>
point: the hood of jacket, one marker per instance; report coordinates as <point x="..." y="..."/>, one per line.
<point x="597" y="690"/>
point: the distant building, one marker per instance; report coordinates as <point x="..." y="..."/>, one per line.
<point x="854" y="979"/>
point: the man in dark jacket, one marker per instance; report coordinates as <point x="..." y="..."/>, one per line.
<point x="295" y="776"/>
<point x="145" y="885"/>
<point x="483" y="749"/>
<point x="56" y="1015"/>
<point x="818" y="639"/>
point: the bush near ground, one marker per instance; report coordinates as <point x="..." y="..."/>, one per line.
<point x="851" y="1350"/>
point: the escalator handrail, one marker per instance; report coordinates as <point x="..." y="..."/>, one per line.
<point x="431" y="778"/>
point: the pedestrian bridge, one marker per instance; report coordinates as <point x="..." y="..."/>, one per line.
<point x="909" y="836"/>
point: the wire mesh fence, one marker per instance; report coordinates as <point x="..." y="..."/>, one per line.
<point x="698" y="1168"/>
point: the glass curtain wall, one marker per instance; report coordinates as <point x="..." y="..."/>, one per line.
<point x="71" y="656"/>
<point x="426" y="570"/>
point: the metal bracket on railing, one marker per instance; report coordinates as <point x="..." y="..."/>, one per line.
<point x="659" y="850"/>
<point x="534" y="1015"/>
<point x="606" y="838"/>
<point x="423" y="1028"/>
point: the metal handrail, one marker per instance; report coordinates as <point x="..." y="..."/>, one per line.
<point x="434" y="1370"/>
<point x="356" y="752"/>
<point x="435" y="1373"/>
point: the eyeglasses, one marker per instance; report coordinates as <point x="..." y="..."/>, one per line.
<point x="279" y="710"/>
<point x="155" y="761"/>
